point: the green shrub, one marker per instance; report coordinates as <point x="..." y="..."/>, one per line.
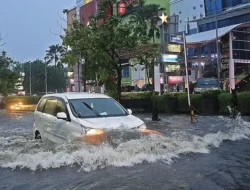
<point x="183" y="106"/>
<point x="24" y="99"/>
<point x="136" y="95"/>
<point x="196" y="101"/>
<point x="161" y="106"/>
<point x="224" y="101"/>
<point x="211" y="93"/>
<point x="112" y="94"/>
<point x="182" y="103"/>
<point x="243" y="101"/>
<point x="171" y="95"/>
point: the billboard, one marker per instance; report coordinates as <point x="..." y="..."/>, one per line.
<point x="175" y="79"/>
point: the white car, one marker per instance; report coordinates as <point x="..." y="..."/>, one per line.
<point x="78" y="116"/>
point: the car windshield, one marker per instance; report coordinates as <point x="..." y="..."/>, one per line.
<point x="96" y="107"/>
<point x="207" y="82"/>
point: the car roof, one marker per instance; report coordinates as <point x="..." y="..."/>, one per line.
<point x="77" y="95"/>
<point x="204" y="78"/>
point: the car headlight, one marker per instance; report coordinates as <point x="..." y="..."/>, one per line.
<point x="215" y="88"/>
<point x="143" y="126"/>
<point x="197" y="89"/>
<point x="90" y="131"/>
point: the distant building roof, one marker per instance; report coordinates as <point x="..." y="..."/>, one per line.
<point x="209" y="36"/>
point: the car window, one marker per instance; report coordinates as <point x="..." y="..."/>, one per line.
<point x="96" y="107"/>
<point x="50" y="107"/>
<point x="60" y="107"/>
<point x="41" y="105"/>
<point x="207" y="82"/>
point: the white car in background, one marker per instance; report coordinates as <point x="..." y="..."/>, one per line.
<point x="82" y="116"/>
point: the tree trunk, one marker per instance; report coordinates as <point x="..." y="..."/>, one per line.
<point x="55" y="65"/>
<point x="147" y="73"/>
<point x="118" y="85"/>
<point x="85" y="77"/>
<point x="154" y="105"/>
<point x="55" y="74"/>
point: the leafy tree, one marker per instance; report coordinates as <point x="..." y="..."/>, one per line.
<point x="38" y="77"/>
<point x="81" y="51"/>
<point x="145" y="20"/>
<point x="100" y="44"/>
<point x="54" y="53"/>
<point x="8" y="77"/>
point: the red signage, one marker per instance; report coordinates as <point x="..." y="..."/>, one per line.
<point x="122" y="6"/>
<point x="175" y="79"/>
<point x="121" y="9"/>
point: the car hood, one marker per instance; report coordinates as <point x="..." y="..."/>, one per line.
<point x="124" y="122"/>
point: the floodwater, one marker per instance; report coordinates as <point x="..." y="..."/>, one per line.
<point x="212" y="154"/>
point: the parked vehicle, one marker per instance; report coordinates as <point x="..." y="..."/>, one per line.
<point x="82" y="116"/>
<point x="147" y="87"/>
<point x="203" y="84"/>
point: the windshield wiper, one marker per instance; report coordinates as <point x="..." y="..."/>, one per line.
<point x="92" y="109"/>
<point x="75" y="110"/>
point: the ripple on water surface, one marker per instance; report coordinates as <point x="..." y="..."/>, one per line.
<point x="19" y="150"/>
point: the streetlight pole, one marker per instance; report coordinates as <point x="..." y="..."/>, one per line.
<point x="46" y="87"/>
<point x="30" y="78"/>
<point x="217" y="45"/>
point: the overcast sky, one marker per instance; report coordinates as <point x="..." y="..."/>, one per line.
<point x="30" y="26"/>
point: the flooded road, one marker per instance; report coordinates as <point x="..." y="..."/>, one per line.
<point x="212" y="154"/>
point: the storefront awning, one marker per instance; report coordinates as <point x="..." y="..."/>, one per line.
<point x="209" y="36"/>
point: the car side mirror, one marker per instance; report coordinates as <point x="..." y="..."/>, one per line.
<point x="61" y="115"/>
<point x="129" y="111"/>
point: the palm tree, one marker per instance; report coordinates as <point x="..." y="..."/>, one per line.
<point x="55" y="52"/>
<point x="146" y="26"/>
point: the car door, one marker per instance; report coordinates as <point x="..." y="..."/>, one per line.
<point x="38" y="116"/>
<point x="64" y="130"/>
<point x="49" y="115"/>
<point x="59" y="124"/>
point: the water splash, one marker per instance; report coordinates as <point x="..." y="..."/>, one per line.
<point x="22" y="152"/>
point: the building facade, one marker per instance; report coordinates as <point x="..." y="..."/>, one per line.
<point x="71" y="17"/>
<point x="230" y="20"/>
<point x="187" y="11"/>
<point x="137" y="74"/>
<point x="236" y="12"/>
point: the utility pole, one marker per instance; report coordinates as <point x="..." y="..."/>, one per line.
<point x="30" y="78"/>
<point x="187" y="79"/>
<point x="217" y="44"/>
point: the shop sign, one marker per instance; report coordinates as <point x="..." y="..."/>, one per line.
<point x="242" y="61"/>
<point x="169" y="58"/>
<point x="161" y="80"/>
<point x="174" y="38"/>
<point x="174" y="48"/>
<point x="225" y="63"/>
<point x="175" y="79"/>
<point x="171" y="68"/>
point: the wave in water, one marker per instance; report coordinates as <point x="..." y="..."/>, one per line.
<point x="20" y="152"/>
